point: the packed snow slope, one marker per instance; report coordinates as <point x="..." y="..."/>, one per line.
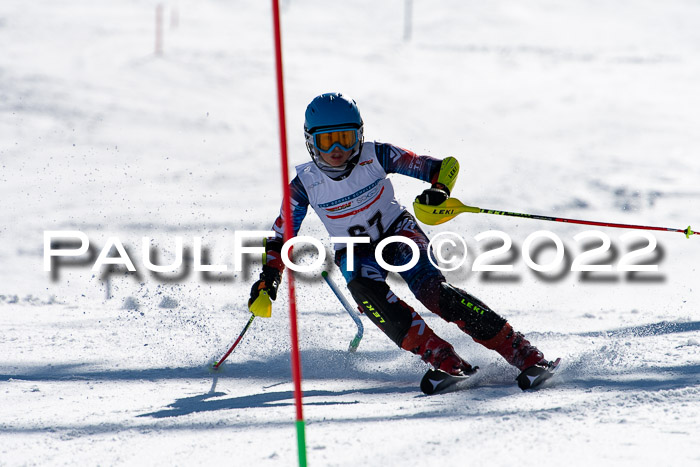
<point x="580" y="109"/>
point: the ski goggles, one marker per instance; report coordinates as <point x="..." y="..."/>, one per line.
<point x="343" y="139"/>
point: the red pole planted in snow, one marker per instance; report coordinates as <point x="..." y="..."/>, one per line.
<point x="240" y="336"/>
<point x="288" y="233"/>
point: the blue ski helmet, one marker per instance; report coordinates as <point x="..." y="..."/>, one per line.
<point x="337" y="115"/>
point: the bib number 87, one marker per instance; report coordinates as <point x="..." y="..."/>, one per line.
<point x="360" y="230"/>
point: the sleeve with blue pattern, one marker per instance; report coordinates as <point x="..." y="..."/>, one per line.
<point x="402" y="161"/>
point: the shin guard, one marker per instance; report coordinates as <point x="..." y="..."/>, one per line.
<point x="392" y="315"/>
<point x="404" y="326"/>
<point x="469" y="313"/>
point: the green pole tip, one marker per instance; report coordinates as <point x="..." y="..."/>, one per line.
<point x="301" y="442"/>
<point x="324" y="273"/>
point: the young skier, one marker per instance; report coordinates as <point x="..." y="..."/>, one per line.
<point x="346" y="184"/>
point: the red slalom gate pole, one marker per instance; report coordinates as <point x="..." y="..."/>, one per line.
<point x="288" y="233"/>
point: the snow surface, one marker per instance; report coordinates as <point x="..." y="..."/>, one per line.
<point x="584" y="109"/>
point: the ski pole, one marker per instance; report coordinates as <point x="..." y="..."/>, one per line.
<point x="353" y="314"/>
<point x="434" y="215"/>
<point x="240" y="336"/>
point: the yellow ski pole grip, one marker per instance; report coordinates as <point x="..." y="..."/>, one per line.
<point x="262" y="305"/>
<point x="435" y="215"/>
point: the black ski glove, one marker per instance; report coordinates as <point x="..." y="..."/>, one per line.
<point x="269" y="280"/>
<point x="436" y="194"/>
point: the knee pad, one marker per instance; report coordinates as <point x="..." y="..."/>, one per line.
<point x="469" y="313"/>
<point x="386" y="310"/>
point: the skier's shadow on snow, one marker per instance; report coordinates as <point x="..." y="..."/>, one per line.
<point x="317" y="365"/>
<point x="212" y="401"/>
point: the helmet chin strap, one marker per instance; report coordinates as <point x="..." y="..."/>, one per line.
<point x="339" y="172"/>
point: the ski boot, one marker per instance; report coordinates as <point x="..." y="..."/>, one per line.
<point x="436" y="351"/>
<point x="518" y="351"/>
<point x="537" y="374"/>
<point x="514" y="348"/>
<point x="449" y="368"/>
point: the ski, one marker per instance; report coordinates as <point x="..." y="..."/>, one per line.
<point x="533" y="377"/>
<point x="436" y="381"/>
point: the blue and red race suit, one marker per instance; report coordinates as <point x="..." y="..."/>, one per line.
<point x="363" y="204"/>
